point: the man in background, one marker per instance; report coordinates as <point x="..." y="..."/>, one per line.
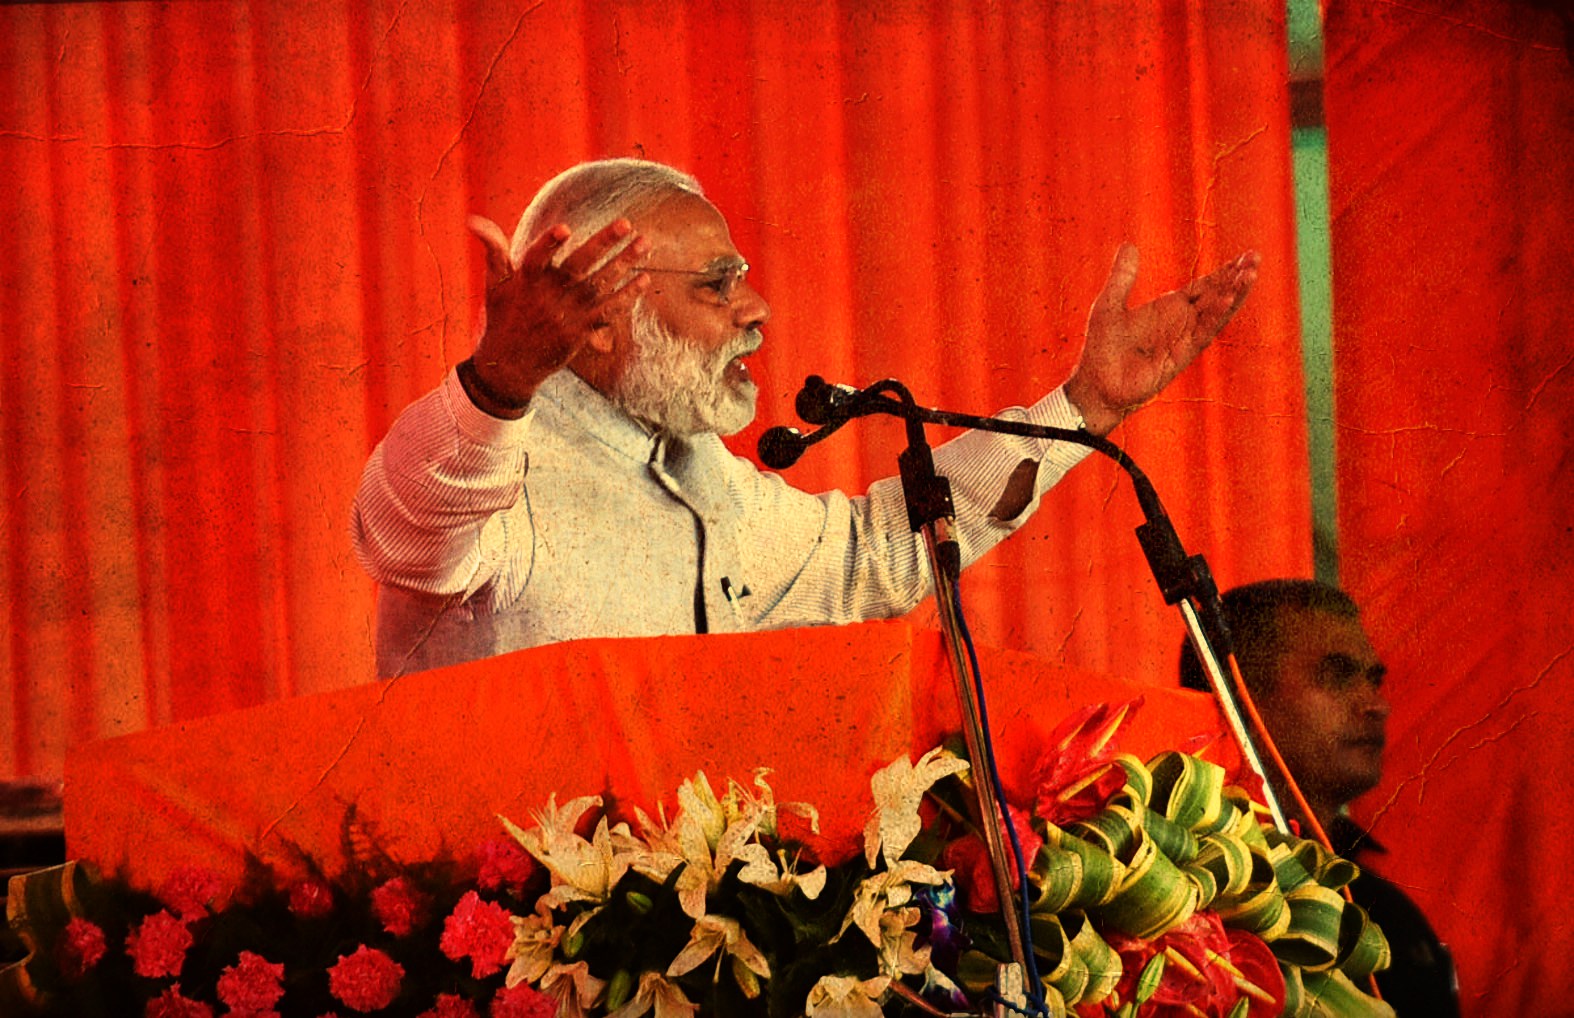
<point x="1318" y="684"/>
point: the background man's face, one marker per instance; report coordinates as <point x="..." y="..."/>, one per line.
<point x="1325" y="707"/>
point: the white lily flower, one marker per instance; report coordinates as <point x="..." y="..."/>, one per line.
<point x="698" y="804"/>
<point x="535" y="942"/>
<point x="574" y="988"/>
<point x="713" y="933"/>
<point x="887" y="889"/>
<point x="712" y="833"/>
<point x="581" y="870"/>
<point x="846" y="997"/>
<point x="898" y="791"/>
<point x="899" y="955"/>
<point x="740" y="801"/>
<point x="659" y="853"/>
<point x="657" y="992"/>
<point x="708" y="835"/>
<point x="779" y="877"/>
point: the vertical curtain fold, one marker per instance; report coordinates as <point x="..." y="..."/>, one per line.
<point x="1451" y="135"/>
<point x="234" y="249"/>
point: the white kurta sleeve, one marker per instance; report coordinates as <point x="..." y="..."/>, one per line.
<point x="850" y="559"/>
<point x="431" y="514"/>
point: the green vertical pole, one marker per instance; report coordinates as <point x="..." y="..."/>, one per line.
<point x="1309" y="154"/>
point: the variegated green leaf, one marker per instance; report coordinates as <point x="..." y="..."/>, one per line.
<point x="1187" y="790"/>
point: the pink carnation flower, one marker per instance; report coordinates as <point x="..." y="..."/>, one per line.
<point x="189" y="890"/>
<point x="367" y="980"/>
<point x="480" y="930"/>
<point x="398" y="905"/>
<point x="251" y="984"/>
<point x="311" y="899"/>
<point x="522" y="1001"/>
<point x="80" y="947"/>
<point x="158" y="945"/>
<point x="450" y="1005"/>
<point x="503" y="864"/>
<point x="170" y="1004"/>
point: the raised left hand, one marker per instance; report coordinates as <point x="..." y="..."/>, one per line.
<point x="1131" y="354"/>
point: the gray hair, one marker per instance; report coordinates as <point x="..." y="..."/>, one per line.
<point x="589" y="196"/>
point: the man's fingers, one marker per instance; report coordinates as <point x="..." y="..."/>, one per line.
<point x="613" y="275"/>
<point x="622" y="270"/>
<point x="1248" y="264"/>
<point x="620" y="301"/>
<point x="590" y="255"/>
<point x="1122" y="277"/>
<point x="1228" y="292"/>
<point x="537" y="255"/>
<point x="495" y="243"/>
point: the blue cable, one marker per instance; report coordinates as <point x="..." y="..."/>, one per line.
<point x="1035" y="991"/>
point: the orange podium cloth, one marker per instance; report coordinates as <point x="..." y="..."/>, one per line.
<point x="427" y="761"/>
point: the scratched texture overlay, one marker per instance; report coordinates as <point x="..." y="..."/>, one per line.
<point x="1451" y="147"/>
<point x="232" y="249"/>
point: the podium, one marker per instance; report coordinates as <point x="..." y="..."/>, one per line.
<point x="425" y="763"/>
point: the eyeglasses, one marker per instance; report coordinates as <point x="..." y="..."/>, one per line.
<point x="717" y="286"/>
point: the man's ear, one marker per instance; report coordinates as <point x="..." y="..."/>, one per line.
<point x="606" y="352"/>
<point x="615" y="339"/>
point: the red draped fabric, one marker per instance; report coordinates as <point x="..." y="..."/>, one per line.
<point x="232" y="249"/>
<point x="399" y="761"/>
<point x="1451" y="146"/>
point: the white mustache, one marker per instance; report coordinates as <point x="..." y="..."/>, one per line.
<point x="745" y="344"/>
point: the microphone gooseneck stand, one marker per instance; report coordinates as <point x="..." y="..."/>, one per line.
<point x="1182" y="579"/>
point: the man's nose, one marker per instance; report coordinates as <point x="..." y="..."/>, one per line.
<point x="749" y="308"/>
<point x="1376" y="703"/>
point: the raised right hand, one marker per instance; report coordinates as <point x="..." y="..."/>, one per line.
<point x="539" y="315"/>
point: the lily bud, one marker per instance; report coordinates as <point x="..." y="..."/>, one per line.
<point x="747" y="981"/>
<point x="619" y="989"/>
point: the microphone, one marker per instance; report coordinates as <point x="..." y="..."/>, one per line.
<point x="780" y="447"/>
<point x="820" y="402"/>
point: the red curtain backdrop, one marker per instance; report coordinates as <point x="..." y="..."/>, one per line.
<point x="1451" y="142"/>
<point x="233" y="249"/>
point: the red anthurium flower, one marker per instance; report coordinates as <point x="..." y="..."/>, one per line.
<point x="1190" y="986"/>
<point x="1257" y="974"/>
<point x="1076" y="775"/>
<point x="975" y="878"/>
<point x="1206" y="970"/>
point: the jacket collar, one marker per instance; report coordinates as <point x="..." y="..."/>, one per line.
<point x="573" y="399"/>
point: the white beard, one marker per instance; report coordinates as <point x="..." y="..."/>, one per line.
<point x="680" y="388"/>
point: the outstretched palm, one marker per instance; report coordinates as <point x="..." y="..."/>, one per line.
<point x="1131" y="354"/>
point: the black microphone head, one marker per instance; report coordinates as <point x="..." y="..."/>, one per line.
<point x="781" y="447"/>
<point x="814" y="400"/>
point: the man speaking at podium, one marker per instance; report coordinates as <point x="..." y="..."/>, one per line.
<point x="568" y="479"/>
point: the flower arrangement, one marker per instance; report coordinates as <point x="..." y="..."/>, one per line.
<point x="1153" y="891"/>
